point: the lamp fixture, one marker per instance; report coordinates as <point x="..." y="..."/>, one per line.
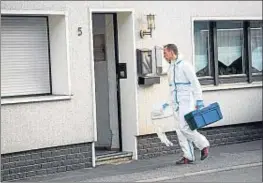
<point x="150" y="24"/>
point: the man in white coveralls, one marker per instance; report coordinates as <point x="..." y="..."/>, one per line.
<point x="185" y="94"/>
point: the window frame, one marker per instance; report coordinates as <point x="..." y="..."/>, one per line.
<point x="49" y="56"/>
<point x="59" y="43"/>
<point x="252" y="76"/>
<point x="215" y="78"/>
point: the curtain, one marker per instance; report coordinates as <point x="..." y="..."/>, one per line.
<point x="256" y="49"/>
<point x="201" y="48"/>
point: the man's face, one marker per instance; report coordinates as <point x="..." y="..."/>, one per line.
<point x="168" y="54"/>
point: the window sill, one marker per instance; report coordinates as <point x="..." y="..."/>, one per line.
<point x="30" y="99"/>
<point x="232" y="86"/>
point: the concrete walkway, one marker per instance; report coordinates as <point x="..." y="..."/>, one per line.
<point x="234" y="156"/>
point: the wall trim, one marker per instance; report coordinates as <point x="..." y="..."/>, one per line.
<point x="232" y="86"/>
<point x="31" y="99"/>
<point x="32" y="12"/>
<point x="193" y="18"/>
<point x="92" y="77"/>
<point x="110" y="10"/>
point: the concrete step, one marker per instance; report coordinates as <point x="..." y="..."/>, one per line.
<point x="114" y="158"/>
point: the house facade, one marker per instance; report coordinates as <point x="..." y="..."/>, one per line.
<point x="70" y="86"/>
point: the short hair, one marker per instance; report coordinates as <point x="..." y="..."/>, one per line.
<point x="172" y="47"/>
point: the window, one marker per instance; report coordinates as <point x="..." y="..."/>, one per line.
<point x="256" y="47"/>
<point x="228" y="51"/>
<point x="202" y="63"/>
<point x="25" y="67"/>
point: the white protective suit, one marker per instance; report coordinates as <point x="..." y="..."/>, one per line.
<point x="185" y="90"/>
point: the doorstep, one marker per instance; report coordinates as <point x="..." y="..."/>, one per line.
<point x="113" y="158"/>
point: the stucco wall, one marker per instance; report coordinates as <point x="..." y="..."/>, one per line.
<point x="65" y="122"/>
<point x="45" y="124"/>
<point x="174" y="25"/>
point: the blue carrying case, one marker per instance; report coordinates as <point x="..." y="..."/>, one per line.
<point x="203" y="117"/>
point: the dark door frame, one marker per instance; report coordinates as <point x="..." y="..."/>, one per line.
<point x="116" y="45"/>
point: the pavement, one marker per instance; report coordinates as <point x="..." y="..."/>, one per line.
<point x="245" y="174"/>
<point x="236" y="162"/>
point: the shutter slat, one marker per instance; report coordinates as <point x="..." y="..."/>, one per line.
<point x="24" y="56"/>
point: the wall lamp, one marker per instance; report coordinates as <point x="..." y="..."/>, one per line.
<point x="151" y="26"/>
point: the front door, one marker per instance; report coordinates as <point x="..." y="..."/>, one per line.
<point x="106" y="81"/>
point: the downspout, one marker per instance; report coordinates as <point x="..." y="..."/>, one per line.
<point x="93" y="154"/>
<point x="93" y="91"/>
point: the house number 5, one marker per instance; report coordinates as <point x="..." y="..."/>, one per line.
<point x="79" y="31"/>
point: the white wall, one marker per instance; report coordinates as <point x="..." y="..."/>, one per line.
<point x="74" y="122"/>
<point x="237" y="105"/>
<point x="176" y="28"/>
<point x="61" y="82"/>
<point x="174" y="25"/>
<point x="44" y="124"/>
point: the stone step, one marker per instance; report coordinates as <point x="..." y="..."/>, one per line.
<point x="114" y="158"/>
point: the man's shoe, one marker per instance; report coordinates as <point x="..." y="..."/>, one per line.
<point x="204" y="153"/>
<point x="184" y="161"/>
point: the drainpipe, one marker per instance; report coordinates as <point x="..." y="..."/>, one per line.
<point x="93" y="90"/>
<point x="93" y="155"/>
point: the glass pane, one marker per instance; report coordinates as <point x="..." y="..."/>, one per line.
<point x="256" y="46"/>
<point x="201" y="48"/>
<point x="229" y="45"/>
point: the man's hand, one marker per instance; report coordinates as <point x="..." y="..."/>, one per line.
<point x="199" y="104"/>
<point x="164" y="106"/>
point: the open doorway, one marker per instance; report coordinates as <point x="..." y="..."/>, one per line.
<point x="105" y="50"/>
<point x="114" y="84"/>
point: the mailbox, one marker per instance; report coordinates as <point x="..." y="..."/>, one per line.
<point x="145" y="67"/>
